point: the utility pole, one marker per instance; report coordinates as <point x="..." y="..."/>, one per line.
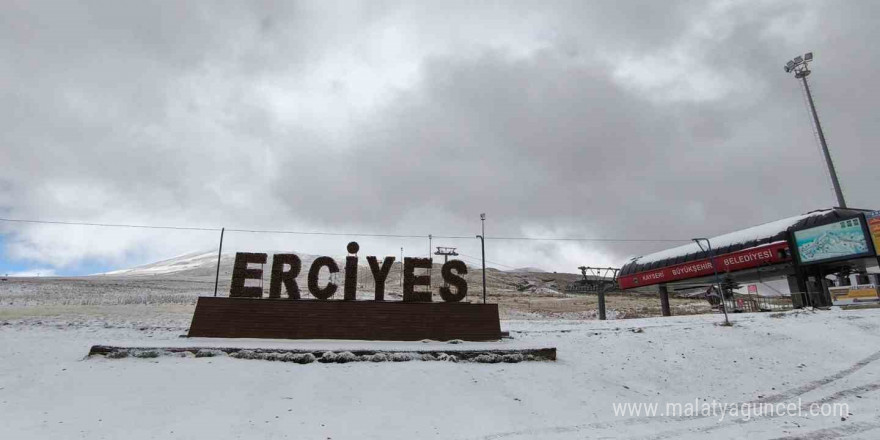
<point x="219" y="254"/>
<point x="446" y="252"/>
<point x="401" y="270"/>
<point x="801" y="71"/>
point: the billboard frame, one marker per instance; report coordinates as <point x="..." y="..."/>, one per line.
<point x="875" y="241"/>
<point x="865" y="233"/>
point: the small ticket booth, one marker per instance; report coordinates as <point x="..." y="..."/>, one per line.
<point x="854" y="294"/>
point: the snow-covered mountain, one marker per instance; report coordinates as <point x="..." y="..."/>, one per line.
<point x="202" y="266"/>
<point x="198" y="264"/>
<point x="181" y="263"/>
<point x="527" y="270"/>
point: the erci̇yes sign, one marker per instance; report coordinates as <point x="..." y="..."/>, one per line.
<point x="286" y="267"/>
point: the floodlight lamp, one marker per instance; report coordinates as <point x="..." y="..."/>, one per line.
<point x="808" y="56"/>
<point x="482" y="216"/>
<point x="798" y="59"/>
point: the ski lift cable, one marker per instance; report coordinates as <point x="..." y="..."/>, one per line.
<point x="325" y="233"/>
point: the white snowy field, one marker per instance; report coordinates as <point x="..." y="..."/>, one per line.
<point x="48" y="389"/>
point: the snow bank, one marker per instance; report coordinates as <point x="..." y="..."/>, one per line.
<point x="328" y="357"/>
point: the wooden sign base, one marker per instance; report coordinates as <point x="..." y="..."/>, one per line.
<point x="367" y="320"/>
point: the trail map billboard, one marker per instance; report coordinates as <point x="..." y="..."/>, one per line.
<point x="834" y="241"/>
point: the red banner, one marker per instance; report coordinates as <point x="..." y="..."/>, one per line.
<point x="772" y="253"/>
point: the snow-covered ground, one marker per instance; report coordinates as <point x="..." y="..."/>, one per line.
<point x="48" y="389"/>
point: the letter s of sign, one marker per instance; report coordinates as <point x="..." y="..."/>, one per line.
<point x="279" y="275"/>
<point x="328" y="291"/>
<point x="240" y="272"/>
<point x="460" y="283"/>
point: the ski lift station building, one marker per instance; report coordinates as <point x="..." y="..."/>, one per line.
<point x="814" y="252"/>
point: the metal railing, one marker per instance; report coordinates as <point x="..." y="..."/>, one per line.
<point x="755" y="303"/>
<point x="589" y="288"/>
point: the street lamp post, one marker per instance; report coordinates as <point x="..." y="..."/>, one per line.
<point x="714" y="269"/>
<point x="799" y="65"/>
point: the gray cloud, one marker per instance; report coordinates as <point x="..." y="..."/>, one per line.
<point x="633" y="120"/>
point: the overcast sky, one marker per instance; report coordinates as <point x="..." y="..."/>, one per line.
<point x="636" y="120"/>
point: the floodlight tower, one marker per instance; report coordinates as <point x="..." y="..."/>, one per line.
<point x="799" y="65"/>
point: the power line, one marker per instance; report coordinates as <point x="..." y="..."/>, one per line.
<point x="588" y="239"/>
<point x="186" y="228"/>
<point x="337" y="234"/>
<point x="477" y="259"/>
<point x="110" y="225"/>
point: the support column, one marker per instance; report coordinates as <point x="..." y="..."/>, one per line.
<point x="816" y="290"/>
<point x="664" y="300"/>
<point x="797" y="284"/>
<point x="826" y="294"/>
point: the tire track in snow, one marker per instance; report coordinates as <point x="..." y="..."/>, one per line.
<point x="676" y="433"/>
<point x="849" y="392"/>
<point x="827" y="433"/>
<point x="810" y="386"/>
<point x="787" y="395"/>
